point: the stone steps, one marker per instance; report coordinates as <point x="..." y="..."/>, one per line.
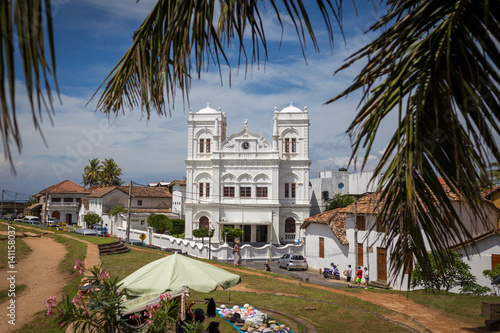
<point x="112" y="248"/>
<point x="379" y="284"/>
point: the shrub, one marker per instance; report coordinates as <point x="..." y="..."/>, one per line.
<point x="91" y="219"/>
<point x="160" y="223"/>
<point x="447" y="275"/>
<point x="178" y="227"/>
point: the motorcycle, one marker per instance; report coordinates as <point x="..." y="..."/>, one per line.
<point x="333" y="273"/>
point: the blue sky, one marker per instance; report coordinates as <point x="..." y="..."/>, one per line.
<point x="92" y="35"/>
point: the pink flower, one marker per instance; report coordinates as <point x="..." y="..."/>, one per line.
<point x="79" y="265"/>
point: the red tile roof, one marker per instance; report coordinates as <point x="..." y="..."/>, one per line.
<point x="489" y="192"/>
<point x="137" y="192"/>
<point x="150" y="210"/>
<point x="66" y="186"/>
<point x="179" y="182"/>
<point x="335" y="219"/>
<point x="369" y="204"/>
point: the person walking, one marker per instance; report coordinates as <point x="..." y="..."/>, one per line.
<point x="236" y="253"/>
<point x="367" y="278"/>
<point x="359" y="275"/>
<point x="349" y="275"/>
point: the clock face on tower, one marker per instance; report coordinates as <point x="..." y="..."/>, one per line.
<point x="245" y="145"/>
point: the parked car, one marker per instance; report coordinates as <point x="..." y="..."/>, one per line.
<point x="86" y="232"/>
<point x="136" y="242"/>
<point x="98" y="228"/>
<point x="52" y="221"/>
<point x="18" y="220"/>
<point x="32" y="220"/>
<point x="293" y="261"/>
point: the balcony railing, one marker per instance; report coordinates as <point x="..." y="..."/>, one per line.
<point x="65" y="204"/>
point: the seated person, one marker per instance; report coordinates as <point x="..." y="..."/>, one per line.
<point x="199" y="318"/>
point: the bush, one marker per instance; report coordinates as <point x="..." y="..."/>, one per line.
<point x="160" y="223"/>
<point x="178" y="227"/>
<point x="447" y="275"/>
<point x="492" y="274"/>
<point x="91" y="219"/>
<point x="117" y="209"/>
<point x="232" y="233"/>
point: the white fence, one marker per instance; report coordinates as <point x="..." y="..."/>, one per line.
<point x="220" y="252"/>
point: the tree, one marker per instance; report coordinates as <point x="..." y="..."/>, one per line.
<point x="31" y="201"/>
<point x="110" y="174"/>
<point x="91" y="172"/>
<point x="339" y="201"/>
<point x="178" y="227"/>
<point x="91" y="219"/>
<point x="435" y="65"/>
<point x="232" y="233"/>
<point x="105" y="173"/>
<point x="493" y="274"/>
<point x="161" y="223"/>
<point x="446" y="275"/>
<point x="117" y="209"/>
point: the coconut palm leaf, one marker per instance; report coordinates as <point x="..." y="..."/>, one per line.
<point x="30" y="21"/>
<point x="92" y="172"/>
<point x="436" y="64"/>
<point x="178" y="33"/>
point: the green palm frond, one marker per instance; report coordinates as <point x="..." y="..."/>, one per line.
<point x="436" y="64"/>
<point x="30" y="21"/>
<point x="180" y="34"/>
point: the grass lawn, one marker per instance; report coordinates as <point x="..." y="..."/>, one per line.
<point x="326" y="311"/>
<point x="462" y="307"/>
<point x="22" y="250"/>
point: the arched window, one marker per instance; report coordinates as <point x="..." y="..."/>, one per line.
<point x="204" y="222"/>
<point x="290" y="225"/>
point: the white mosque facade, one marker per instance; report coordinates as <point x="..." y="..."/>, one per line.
<point x="246" y="181"/>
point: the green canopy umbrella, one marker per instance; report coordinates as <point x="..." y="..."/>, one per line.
<point x="177" y="271"/>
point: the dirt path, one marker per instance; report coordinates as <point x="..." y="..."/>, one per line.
<point x="39" y="271"/>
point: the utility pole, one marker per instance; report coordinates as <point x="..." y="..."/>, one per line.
<point x="356" y="234"/>
<point x="15" y="201"/>
<point x="1" y="205"/>
<point x="46" y="205"/>
<point x="129" y="209"/>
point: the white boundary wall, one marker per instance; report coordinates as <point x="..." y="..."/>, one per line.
<point x="219" y="252"/>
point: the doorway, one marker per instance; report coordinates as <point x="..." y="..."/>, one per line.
<point x="247" y="233"/>
<point x="68" y="218"/>
<point x="381" y="264"/>
<point x="261" y="231"/>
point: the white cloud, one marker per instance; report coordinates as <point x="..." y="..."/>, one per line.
<point x="156" y="149"/>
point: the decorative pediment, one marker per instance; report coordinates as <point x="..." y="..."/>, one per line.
<point x="246" y="135"/>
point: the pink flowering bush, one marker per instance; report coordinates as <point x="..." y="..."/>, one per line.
<point x="79" y="266"/>
<point x="100" y="309"/>
<point x="51" y="303"/>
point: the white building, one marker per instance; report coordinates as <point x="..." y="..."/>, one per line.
<point x="330" y="183"/>
<point x="246" y="181"/>
<point x="61" y="201"/>
<point x="144" y="201"/>
<point x="178" y="190"/>
<point x="350" y="235"/>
